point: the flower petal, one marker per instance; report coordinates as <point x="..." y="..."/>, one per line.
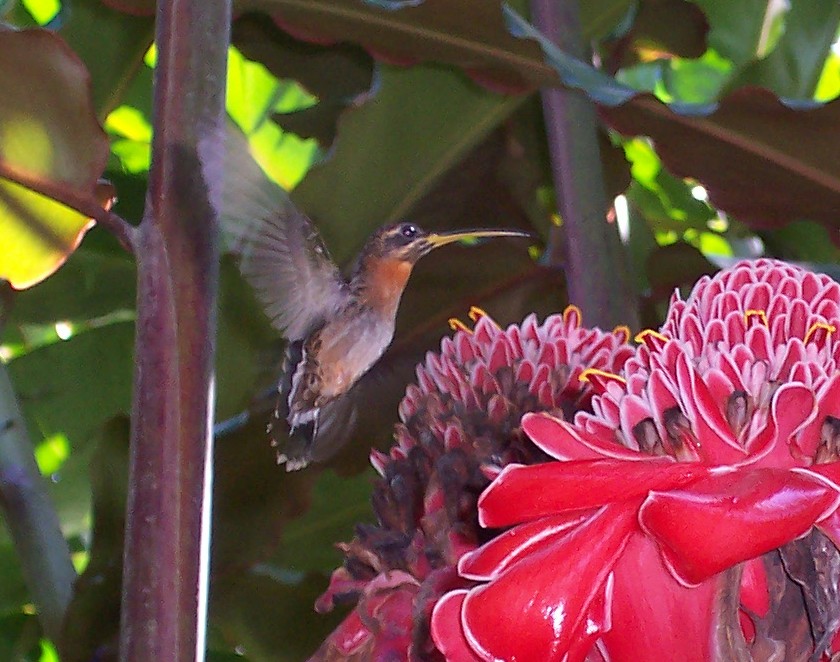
<point x="523" y="493"/>
<point x="733" y="516"/>
<point x="647" y="602"/>
<point x="755" y="594"/>
<point x="495" y="556"/>
<point x="717" y="445"/>
<point x="565" y="441"/>
<point x="793" y="406"/>
<point x="446" y="629"/>
<point x="537" y="611"/>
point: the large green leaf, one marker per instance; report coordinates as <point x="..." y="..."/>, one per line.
<point x="64" y="387"/>
<point x="110" y="43"/>
<point x="736" y="27"/>
<point x="468" y="33"/>
<point x="269" y="617"/>
<point x="766" y="160"/>
<point x="392" y="149"/>
<point x="93" y="284"/>
<point x="793" y="67"/>
<point x="93" y="615"/>
<point x="50" y="139"/>
<point x="336" y="75"/>
<point x="309" y="541"/>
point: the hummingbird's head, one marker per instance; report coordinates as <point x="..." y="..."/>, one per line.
<point x="408" y="242"/>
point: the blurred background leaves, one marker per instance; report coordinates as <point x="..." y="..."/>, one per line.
<point x="368" y="114"/>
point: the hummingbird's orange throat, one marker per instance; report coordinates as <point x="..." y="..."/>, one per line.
<point x="385" y="280"/>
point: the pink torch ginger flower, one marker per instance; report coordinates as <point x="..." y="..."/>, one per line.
<point x="717" y="443"/>
<point x="461" y="417"/>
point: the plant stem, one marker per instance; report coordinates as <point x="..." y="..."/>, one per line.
<point x="586" y="245"/>
<point x="31" y="518"/>
<point x="168" y="513"/>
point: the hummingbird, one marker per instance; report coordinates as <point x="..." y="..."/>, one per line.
<point x="336" y="327"/>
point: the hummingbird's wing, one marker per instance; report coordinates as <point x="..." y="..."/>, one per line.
<point x="281" y="255"/>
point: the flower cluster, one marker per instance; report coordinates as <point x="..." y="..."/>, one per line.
<point x="459" y="425"/>
<point x="717" y="443"/>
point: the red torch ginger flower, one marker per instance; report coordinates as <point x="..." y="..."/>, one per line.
<point x="459" y="421"/>
<point x="716" y="444"/>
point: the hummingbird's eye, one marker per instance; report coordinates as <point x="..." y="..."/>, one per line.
<point x="408" y="230"/>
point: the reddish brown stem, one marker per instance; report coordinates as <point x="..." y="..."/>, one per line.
<point x="167" y="536"/>
<point x="587" y="247"/>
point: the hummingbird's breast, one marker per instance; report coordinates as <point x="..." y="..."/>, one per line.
<point x="348" y="347"/>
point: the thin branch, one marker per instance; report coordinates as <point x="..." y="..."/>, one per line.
<point x="167" y="534"/>
<point x="586" y="246"/>
<point x="83" y="203"/>
<point x="31" y="518"/>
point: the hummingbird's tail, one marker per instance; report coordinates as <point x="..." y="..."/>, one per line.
<point x="316" y="439"/>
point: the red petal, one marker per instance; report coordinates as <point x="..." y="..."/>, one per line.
<point x="730" y="517"/>
<point x="829" y="405"/>
<point x="647" y="603"/>
<point x="830" y="471"/>
<point x="755" y="594"/>
<point x="566" y="441"/>
<point x="793" y="406"/>
<point x="350" y="635"/>
<point x="523" y="493"/>
<point x="538" y="610"/>
<point x="717" y="445"/>
<point x="447" y="632"/>
<point x="495" y="556"/>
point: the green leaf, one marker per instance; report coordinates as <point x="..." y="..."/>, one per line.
<point x="794" y="66"/>
<point x="13" y="589"/>
<point x="92" y="619"/>
<point x="243" y="341"/>
<point x="309" y="541"/>
<point x="766" y="160"/>
<point x="19" y="637"/>
<point x="470" y="34"/>
<point x="253" y="96"/>
<point x="49" y="138"/>
<point x="336" y="75"/>
<point x="111" y="44"/>
<point x="92" y="285"/>
<point x="272" y="619"/>
<point x="64" y="389"/>
<point x="736" y="27"/>
<point x="669" y="27"/>
<point x="391" y="150"/>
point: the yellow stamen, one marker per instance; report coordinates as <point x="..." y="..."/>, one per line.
<point x="642" y="336"/>
<point x="589" y="373"/>
<point x="477" y="313"/>
<point x="457" y="325"/>
<point x="815" y="328"/>
<point x="622" y="330"/>
<point x="571" y="310"/>
<point x="760" y="314"/>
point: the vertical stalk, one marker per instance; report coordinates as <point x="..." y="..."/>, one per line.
<point x="167" y="526"/>
<point x="589" y="248"/>
<point x="31" y="518"/>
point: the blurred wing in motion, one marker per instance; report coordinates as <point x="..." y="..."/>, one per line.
<point x="281" y="255"/>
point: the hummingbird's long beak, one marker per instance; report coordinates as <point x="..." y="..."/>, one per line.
<point x="437" y="239"/>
